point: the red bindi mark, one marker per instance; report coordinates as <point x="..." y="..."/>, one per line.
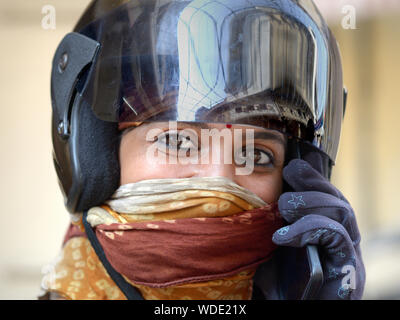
<point x="229" y="126"/>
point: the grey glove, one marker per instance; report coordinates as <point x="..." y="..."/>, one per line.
<point x="318" y="214"/>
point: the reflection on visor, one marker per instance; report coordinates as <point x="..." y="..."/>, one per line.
<point x="216" y="61"/>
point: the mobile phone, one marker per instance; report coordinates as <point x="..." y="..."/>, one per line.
<point x="316" y="278"/>
<point x="309" y="284"/>
<point x="300" y="274"/>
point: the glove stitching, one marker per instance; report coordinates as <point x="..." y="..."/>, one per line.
<point x="303" y="233"/>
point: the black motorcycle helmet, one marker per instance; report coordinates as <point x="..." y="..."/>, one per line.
<point x="270" y="63"/>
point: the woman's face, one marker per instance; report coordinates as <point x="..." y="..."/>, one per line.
<point x="157" y="150"/>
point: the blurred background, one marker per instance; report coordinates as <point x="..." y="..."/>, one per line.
<point x="367" y="171"/>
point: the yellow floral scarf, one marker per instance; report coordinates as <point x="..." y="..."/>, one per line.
<point x="155" y="205"/>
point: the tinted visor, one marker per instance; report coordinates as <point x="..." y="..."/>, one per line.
<point x="217" y="61"/>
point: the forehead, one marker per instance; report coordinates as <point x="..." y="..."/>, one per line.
<point x="259" y="132"/>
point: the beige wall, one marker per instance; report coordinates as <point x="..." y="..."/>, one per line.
<point x="368" y="159"/>
<point x="368" y="165"/>
<point x="32" y="213"/>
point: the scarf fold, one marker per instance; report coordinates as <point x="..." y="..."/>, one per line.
<point x="163" y="199"/>
<point x="196" y="238"/>
<point x="172" y="252"/>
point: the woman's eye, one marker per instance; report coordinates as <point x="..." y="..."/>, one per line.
<point x="170" y="140"/>
<point x="175" y="141"/>
<point x="260" y="157"/>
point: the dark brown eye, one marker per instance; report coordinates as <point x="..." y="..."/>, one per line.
<point x="260" y="157"/>
<point x="176" y="141"/>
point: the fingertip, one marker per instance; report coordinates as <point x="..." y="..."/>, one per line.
<point x="280" y="234"/>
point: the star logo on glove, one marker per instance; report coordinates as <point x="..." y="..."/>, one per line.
<point x="297" y="201"/>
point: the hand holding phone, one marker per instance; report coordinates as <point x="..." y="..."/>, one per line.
<point x="318" y="215"/>
<point x="309" y="281"/>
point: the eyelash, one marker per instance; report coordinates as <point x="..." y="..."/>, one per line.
<point x="269" y="154"/>
<point x="177" y="135"/>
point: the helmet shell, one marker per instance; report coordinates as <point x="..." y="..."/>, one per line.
<point x="237" y="62"/>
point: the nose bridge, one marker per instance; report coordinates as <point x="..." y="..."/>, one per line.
<point x="217" y="160"/>
<point x="217" y="170"/>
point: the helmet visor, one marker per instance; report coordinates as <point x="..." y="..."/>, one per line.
<point x="215" y="61"/>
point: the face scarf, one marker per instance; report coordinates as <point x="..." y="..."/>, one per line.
<point x="195" y="238"/>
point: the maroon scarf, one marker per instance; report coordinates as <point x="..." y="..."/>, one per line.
<point x="171" y="252"/>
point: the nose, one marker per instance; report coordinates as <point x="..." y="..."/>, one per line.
<point x="216" y="170"/>
<point x="215" y="162"/>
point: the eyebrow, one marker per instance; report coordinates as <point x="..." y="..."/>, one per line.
<point x="266" y="135"/>
<point x="269" y="136"/>
<point x="196" y="124"/>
